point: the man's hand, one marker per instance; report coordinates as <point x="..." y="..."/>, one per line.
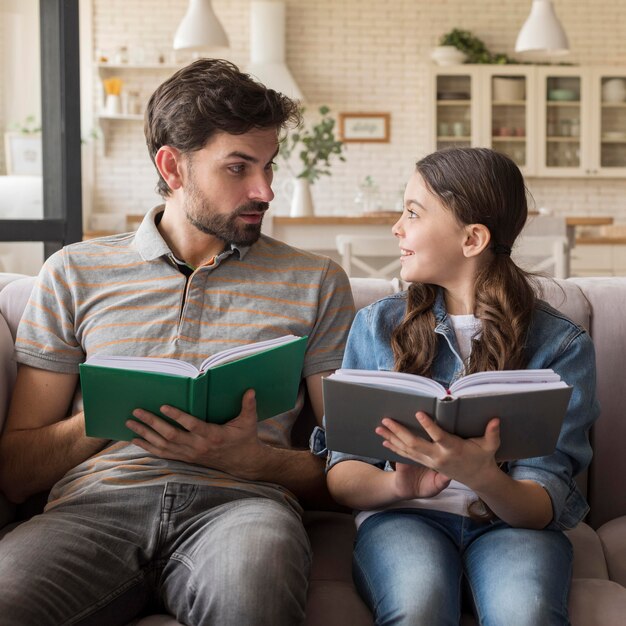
<point x="233" y="447"/>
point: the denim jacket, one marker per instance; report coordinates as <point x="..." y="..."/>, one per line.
<point x="553" y="342"/>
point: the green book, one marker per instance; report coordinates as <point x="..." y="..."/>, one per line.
<point x="114" y="386"/>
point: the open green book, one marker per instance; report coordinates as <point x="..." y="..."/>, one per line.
<point x="113" y="386"/>
<point x="531" y="405"/>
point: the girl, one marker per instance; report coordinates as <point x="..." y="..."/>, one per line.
<point x="459" y="516"/>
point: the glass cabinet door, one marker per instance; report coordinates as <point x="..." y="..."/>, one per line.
<point x="455" y="108"/>
<point x="564" y="112"/>
<point x="609" y="94"/>
<point x="509" y="109"/>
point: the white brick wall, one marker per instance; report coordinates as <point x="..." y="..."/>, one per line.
<point x="356" y="55"/>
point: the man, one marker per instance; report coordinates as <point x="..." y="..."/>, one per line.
<point x="202" y="522"/>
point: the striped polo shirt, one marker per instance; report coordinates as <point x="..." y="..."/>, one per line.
<point x="124" y="295"/>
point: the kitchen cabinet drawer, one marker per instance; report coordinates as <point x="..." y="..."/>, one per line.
<point x="590" y="257"/>
<point x="619" y="260"/>
<point x="598" y="260"/>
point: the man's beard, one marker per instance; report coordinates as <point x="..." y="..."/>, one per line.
<point x="200" y="214"/>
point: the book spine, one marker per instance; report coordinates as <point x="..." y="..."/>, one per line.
<point x="447" y="412"/>
<point x="199" y="396"/>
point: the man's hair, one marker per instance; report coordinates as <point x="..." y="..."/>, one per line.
<point x="207" y="97"/>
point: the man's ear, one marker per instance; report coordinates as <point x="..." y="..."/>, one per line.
<point x="477" y="239"/>
<point x="169" y="162"/>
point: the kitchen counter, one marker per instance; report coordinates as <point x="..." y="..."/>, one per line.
<point x="600" y="240"/>
<point x="391" y="217"/>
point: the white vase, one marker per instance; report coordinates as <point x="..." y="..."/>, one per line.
<point x="301" y="200"/>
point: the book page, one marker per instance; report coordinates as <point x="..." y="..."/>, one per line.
<point x="173" y="367"/>
<point x="492" y="389"/>
<point x="506" y="376"/>
<point x="238" y="352"/>
<point x="395" y="380"/>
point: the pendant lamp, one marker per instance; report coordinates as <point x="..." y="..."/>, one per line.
<point x="200" y="29"/>
<point x="267" y="48"/>
<point x="542" y="32"/>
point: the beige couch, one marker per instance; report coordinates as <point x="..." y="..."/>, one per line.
<point x="598" y="594"/>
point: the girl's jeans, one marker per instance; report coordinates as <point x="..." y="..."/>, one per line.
<point x="205" y="555"/>
<point x="409" y="566"/>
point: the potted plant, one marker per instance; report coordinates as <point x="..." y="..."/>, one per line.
<point x="315" y="147"/>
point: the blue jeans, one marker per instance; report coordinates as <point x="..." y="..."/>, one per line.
<point x="205" y="555"/>
<point x="410" y="565"/>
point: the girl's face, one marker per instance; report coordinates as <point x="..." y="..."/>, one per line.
<point x="430" y="239"/>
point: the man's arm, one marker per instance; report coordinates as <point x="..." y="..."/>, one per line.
<point x="236" y="449"/>
<point x="39" y="444"/>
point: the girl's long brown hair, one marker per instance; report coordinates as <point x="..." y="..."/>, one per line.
<point x="479" y="186"/>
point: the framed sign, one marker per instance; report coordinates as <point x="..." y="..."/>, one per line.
<point x="23" y="153"/>
<point x="364" y="127"/>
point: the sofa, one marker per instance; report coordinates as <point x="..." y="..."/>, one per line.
<point x="598" y="593"/>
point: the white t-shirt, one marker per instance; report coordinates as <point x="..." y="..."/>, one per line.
<point x="456" y="497"/>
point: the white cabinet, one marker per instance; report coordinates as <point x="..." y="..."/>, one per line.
<point x="554" y="121"/>
<point x="486" y="105"/>
<point x="584" y="128"/>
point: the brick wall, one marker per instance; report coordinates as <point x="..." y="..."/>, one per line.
<point x="354" y="55"/>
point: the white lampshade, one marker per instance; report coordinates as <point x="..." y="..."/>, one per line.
<point x="542" y="32"/>
<point x="267" y="48"/>
<point x="200" y="29"/>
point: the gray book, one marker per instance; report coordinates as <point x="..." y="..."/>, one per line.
<point x="531" y="405"/>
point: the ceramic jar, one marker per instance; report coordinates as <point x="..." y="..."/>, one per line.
<point x="614" y="90"/>
<point x="447" y="55"/>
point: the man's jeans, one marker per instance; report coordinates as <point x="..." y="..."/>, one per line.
<point x="205" y="555"/>
<point x="409" y="565"/>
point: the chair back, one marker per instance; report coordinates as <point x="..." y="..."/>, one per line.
<point x="547" y="254"/>
<point x="356" y="252"/>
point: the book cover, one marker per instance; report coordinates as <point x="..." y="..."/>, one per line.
<point x="110" y="394"/>
<point x="530" y="418"/>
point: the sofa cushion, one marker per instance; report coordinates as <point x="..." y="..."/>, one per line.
<point x="568" y="298"/>
<point x="608" y="329"/>
<point x="589" y="561"/>
<point x="593" y="601"/>
<point x="613" y="538"/>
<point x="13" y="299"/>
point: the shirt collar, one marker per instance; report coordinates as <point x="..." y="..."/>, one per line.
<point x="151" y="245"/>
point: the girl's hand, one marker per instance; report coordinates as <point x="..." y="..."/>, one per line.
<point x="469" y="461"/>
<point x="416" y="481"/>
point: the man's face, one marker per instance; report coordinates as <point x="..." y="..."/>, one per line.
<point x="227" y="187"/>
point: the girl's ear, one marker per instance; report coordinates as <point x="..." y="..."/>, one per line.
<point x="169" y="163"/>
<point x="477" y="239"/>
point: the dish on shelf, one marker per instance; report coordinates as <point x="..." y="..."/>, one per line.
<point x="562" y="95"/>
<point x="508" y="89"/>
<point x="453" y="95"/>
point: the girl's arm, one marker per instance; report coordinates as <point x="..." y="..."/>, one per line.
<point x="362" y="486"/>
<point x="519" y="503"/>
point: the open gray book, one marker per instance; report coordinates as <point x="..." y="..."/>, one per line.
<point x="531" y="405"/>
